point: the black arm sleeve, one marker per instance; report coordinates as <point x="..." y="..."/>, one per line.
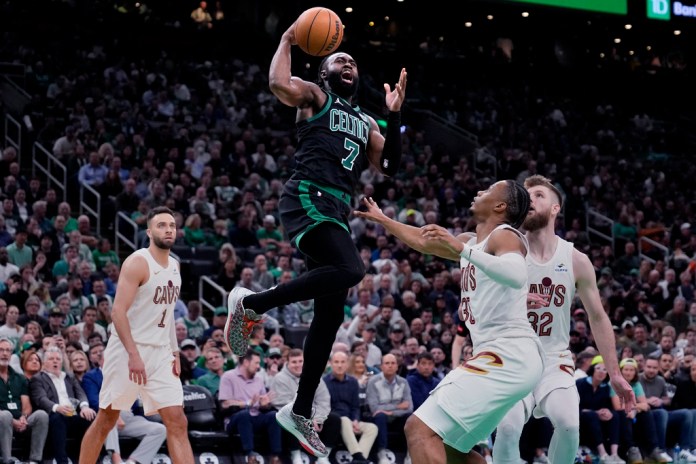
<point x="391" y="154"/>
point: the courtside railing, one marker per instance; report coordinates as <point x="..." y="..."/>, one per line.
<point x="52" y="169"/>
<point x="13" y="136"/>
<point x="646" y="244"/>
<point x="126" y="233"/>
<point x="211" y="294"/>
<point x="600" y="225"/>
<point x="90" y="204"/>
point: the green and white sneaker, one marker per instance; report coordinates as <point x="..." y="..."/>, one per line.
<point x="303" y="429"/>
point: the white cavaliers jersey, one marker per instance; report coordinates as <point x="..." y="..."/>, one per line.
<point x="490" y="309"/>
<point x="151" y="316"/>
<point x="554" y="278"/>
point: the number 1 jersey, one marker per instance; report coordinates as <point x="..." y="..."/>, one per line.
<point x="151" y="315"/>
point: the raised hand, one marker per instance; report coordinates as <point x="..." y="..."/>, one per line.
<point x="396" y="97"/>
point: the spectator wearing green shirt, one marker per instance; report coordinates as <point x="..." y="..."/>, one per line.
<point x="282" y="265"/>
<point x="67" y="265"/>
<point x="194" y="235"/>
<point x="214" y="362"/>
<point x="268" y="234"/>
<point x="195" y="323"/>
<point x="64" y="210"/>
<point x="16" y="412"/>
<point x="104" y="255"/>
<point x="220" y="235"/>
<point x="18" y="252"/>
<point x="624" y="228"/>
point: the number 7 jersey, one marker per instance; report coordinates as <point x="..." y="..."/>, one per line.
<point x="332" y="145"/>
<point x="555" y="279"/>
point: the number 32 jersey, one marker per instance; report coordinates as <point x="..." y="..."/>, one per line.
<point x="554" y="278"/>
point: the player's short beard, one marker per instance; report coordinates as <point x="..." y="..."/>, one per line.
<point x="340" y="88"/>
<point x="537" y="221"/>
<point x="159" y="243"/>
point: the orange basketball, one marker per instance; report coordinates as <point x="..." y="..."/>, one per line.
<point x="319" y="31"/>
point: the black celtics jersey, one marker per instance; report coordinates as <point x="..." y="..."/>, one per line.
<point x="332" y="145"/>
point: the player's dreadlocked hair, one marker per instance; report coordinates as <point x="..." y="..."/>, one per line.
<point x="517" y="203"/>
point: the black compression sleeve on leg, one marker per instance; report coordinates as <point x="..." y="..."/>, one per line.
<point x="391" y="153"/>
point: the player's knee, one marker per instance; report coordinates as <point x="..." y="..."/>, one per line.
<point x="354" y="274"/>
<point x="412" y="428"/>
<point x="567" y="427"/>
<point x="106" y="419"/>
<point x="178" y="424"/>
<point x="508" y="431"/>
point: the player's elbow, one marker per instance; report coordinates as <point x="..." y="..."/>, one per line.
<point x="274" y="84"/>
<point x="518" y="282"/>
<point x="279" y="89"/>
<point x="285" y="92"/>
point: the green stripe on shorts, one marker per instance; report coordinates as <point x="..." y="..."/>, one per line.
<point x="312" y="211"/>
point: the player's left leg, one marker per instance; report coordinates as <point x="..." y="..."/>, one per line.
<point x="94" y="438"/>
<point x="560" y="407"/>
<point x="178" y="443"/>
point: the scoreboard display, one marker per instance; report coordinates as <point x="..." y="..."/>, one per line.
<point x="619" y="7"/>
<point x="664" y="10"/>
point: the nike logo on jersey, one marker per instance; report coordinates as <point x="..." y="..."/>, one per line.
<point x="561" y="268"/>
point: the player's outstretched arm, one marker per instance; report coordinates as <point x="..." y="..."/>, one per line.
<point x="504" y="262"/>
<point x="600" y="325"/>
<point x="411" y="236"/>
<point x="384" y="152"/>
